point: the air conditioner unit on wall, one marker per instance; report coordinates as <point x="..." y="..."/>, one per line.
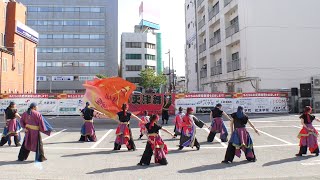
<point x="315" y="81"/>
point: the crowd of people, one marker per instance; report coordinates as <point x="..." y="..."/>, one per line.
<point x="185" y="125"/>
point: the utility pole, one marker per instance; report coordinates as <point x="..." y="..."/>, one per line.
<point x="173" y="77"/>
<point x="169" y="71"/>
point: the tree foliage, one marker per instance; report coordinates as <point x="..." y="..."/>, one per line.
<point x="150" y="80"/>
<point x="101" y="76"/>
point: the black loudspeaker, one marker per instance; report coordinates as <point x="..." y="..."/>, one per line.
<point x="305" y="102"/>
<point x="305" y="90"/>
<point x="294" y="92"/>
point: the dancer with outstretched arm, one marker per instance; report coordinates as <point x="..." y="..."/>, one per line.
<point x="123" y="132"/>
<point x="217" y="124"/>
<point x="87" y="132"/>
<point x="240" y="138"/>
<point x="188" y="132"/>
<point x="308" y="135"/>
<point x="33" y="123"/>
<point x="155" y="145"/>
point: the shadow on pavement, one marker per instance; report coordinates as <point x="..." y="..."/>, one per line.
<point x="181" y="151"/>
<point x="212" y="167"/>
<point x="282" y="161"/>
<point x="69" y="142"/>
<point x="8" y="163"/>
<point x="93" y="153"/>
<point x="208" y="143"/>
<point x="128" y="168"/>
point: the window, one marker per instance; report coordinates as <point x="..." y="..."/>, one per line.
<point x="57" y="9"/>
<point x="101" y="64"/>
<point x="84" y="36"/>
<point x="5" y="65"/>
<point x="41" y="64"/>
<point x="86" y="78"/>
<point x="32" y="9"/>
<point x="84" y="64"/>
<point x="94" y="64"/>
<point x="134" y="79"/>
<point x="133" y="56"/>
<point x="67" y="64"/>
<point x="150" y="57"/>
<point x="188" y="7"/>
<point x="188" y="25"/>
<point x="56" y="64"/>
<point x="83" y="9"/>
<point x="68" y="36"/>
<point x="71" y="50"/>
<point x="150" y="46"/>
<point x="20" y="68"/>
<point x="189" y="46"/>
<point x="57" y="36"/>
<point x="69" y="9"/>
<point x="133" y="68"/>
<point x="133" y="44"/>
<point x="1" y="40"/>
<point x="67" y="22"/>
<point x="96" y="10"/>
<point x="49" y="64"/>
<point x="57" y="50"/>
<point x="150" y="67"/>
<point x="235" y="56"/>
<point x="32" y="22"/>
<point x="234" y="21"/>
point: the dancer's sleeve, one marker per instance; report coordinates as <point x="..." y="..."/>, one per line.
<point x="45" y="127"/>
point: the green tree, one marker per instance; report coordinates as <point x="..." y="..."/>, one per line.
<point x="101" y="76"/>
<point x="150" y="80"/>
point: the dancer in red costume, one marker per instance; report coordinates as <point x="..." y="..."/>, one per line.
<point x="308" y="135"/>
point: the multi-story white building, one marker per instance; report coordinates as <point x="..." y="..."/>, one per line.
<point x="255" y="45"/>
<point x="191" y="57"/>
<point x="138" y="52"/>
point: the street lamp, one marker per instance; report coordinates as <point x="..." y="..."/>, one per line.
<point x="169" y="71"/>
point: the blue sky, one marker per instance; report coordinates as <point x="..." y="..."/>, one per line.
<point x="172" y="24"/>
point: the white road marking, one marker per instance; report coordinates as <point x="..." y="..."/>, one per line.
<point x="101" y="139"/>
<point x="257" y="121"/>
<point x="216" y="138"/>
<point x="169" y="148"/>
<point x="49" y="137"/>
<point x="274" y="127"/>
<point x="310" y="164"/>
<point x="299" y="127"/>
<point x="275" y="137"/>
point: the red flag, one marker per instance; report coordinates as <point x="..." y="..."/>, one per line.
<point x="108" y="95"/>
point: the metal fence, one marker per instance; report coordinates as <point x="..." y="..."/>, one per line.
<point x="226" y="2"/>
<point x="202" y="47"/>
<point x="213" y="11"/>
<point x="216" y="70"/>
<point x="203" y="73"/>
<point x="201" y="23"/>
<point x="199" y="2"/>
<point x="232" y="30"/>
<point x="234" y="65"/>
<point x="215" y="40"/>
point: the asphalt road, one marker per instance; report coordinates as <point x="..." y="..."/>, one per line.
<point x="69" y="159"/>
